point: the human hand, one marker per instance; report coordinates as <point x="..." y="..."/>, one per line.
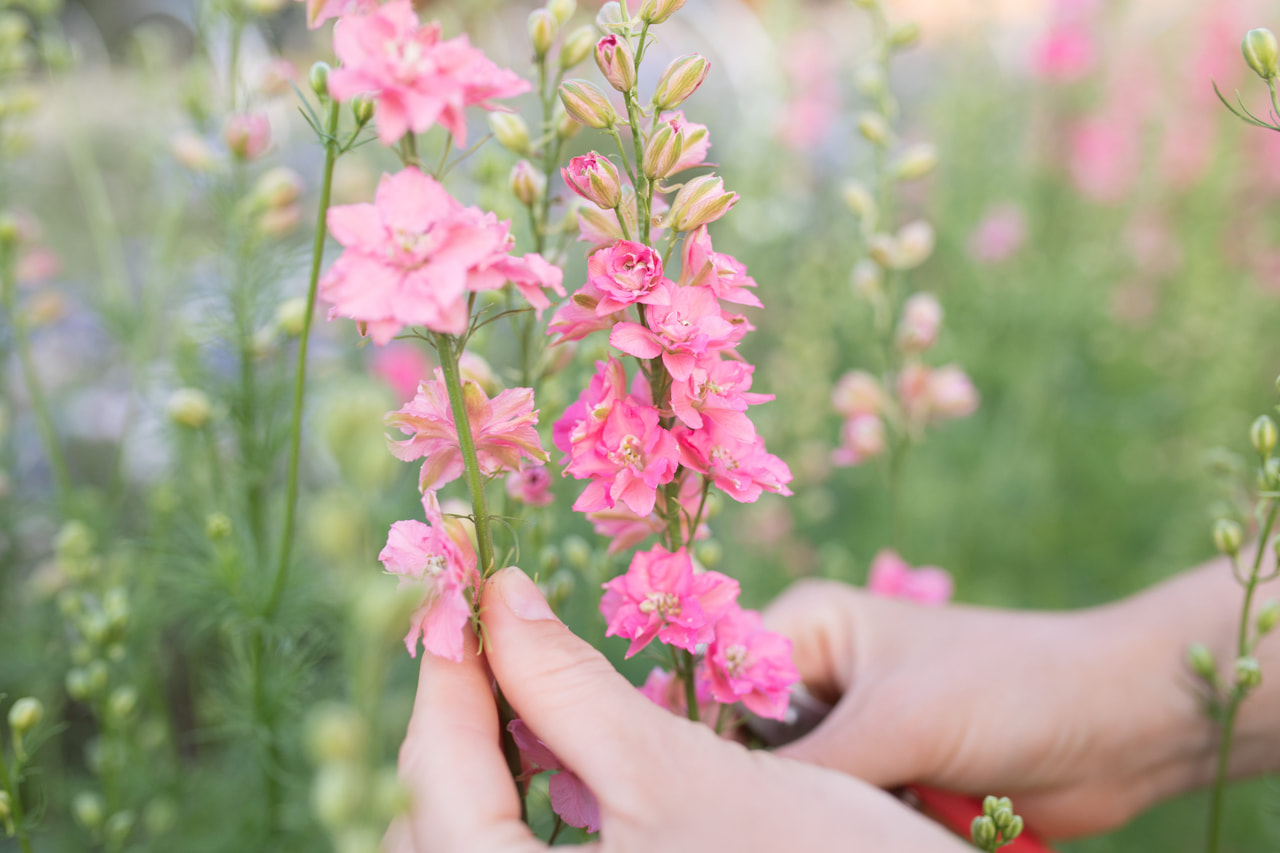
<point x="1084" y="719"/>
<point x="662" y="782"/>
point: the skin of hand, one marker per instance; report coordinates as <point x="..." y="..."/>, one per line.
<point x="1084" y="719"/>
<point x="663" y="782"/>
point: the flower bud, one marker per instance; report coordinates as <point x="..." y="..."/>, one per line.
<point x="883" y="249"/>
<point x="594" y="177"/>
<point x="527" y="183"/>
<point x="336" y="732"/>
<point x="616" y="62"/>
<point x="700" y="201"/>
<point x="863" y="204"/>
<point x="1248" y="673"/>
<point x="681" y="79"/>
<point x="610" y="18"/>
<point x="657" y="11"/>
<point x="1260" y="51"/>
<point x="123" y="702"/>
<point x="98" y="676"/>
<point x="1269" y="475"/>
<point x="709" y="553"/>
<point x="576" y="46"/>
<point x="247" y="135"/>
<point x="338" y="793"/>
<point x="278" y="187"/>
<point x="1263" y="435"/>
<point x="663" y="150"/>
<point x="915" y="244"/>
<point x="1012" y="829"/>
<point x="1004" y="819"/>
<point x="1268" y="616"/>
<point x="217" y="525"/>
<point x="362" y="109"/>
<point x="921" y="321"/>
<point x="88" y="809"/>
<point x="189" y="407"/>
<point x="904" y="35"/>
<point x="867" y="279"/>
<point x="587" y="105"/>
<point x="562" y="10"/>
<point x="511" y="131"/>
<point x="6" y="806"/>
<point x="868" y="79"/>
<point x="577" y="552"/>
<point x="117" y="830"/>
<point x="25" y="715"/>
<point x="542" y="31"/>
<point x="1227" y="536"/>
<point x="1201" y="661"/>
<point x="318" y="78"/>
<point x="916" y="162"/>
<point x="192" y="152"/>
<point x="873" y="128"/>
<point x="983" y="832"/>
<point x="77" y="684"/>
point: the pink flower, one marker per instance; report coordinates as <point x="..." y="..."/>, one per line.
<point x="999" y="235"/>
<point x="857" y="393"/>
<point x="247" y="135"/>
<point x="438" y="555"/>
<point x="577" y="317"/>
<point x="624" y="529"/>
<point x="663" y="689"/>
<point x="570" y="797"/>
<point x="748" y="664"/>
<point x="861" y="438"/>
<point x="582" y="421"/>
<point x="739" y="466"/>
<point x="595" y="178"/>
<point x="920" y="324"/>
<point x="401" y="366"/>
<point x="418" y="79"/>
<point x="627" y="460"/>
<point x="660" y="596"/>
<point x="724" y="275"/>
<point x="940" y="394"/>
<point x="695" y="140"/>
<point x="319" y="11"/>
<point x="624" y="274"/>
<point x="277" y="77"/>
<point x="504" y="430"/>
<point x="412" y="256"/>
<point x="1064" y="54"/>
<point x="530" y="485"/>
<point x="1103" y="159"/>
<point x="719" y="390"/>
<point x="687" y="326"/>
<point x="893" y="577"/>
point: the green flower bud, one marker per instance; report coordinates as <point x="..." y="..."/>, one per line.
<point x="1268" y="616"/>
<point x="983" y="832"/>
<point x="904" y="35"/>
<point x="1003" y="818"/>
<point x="527" y="183"/>
<point x="189" y="407"/>
<point x="118" y="827"/>
<point x="318" y="77"/>
<point x="6" y="806"/>
<point x="709" y="553"/>
<point x="991" y="804"/>
<point x="25" y="715"/>
<point x="88" y="809"/>
<point x="1227" y="536"/>
<point x="337" y="794"/>
<point x="874" y="128"/>
<point x="75" y="541"/>
<point x="1260" y="51"/>
<point x="362" y="109"/>
<point x="1248" y="672"/>
<point x="98" y="675"/>
<point x="1201" y="661"/>
<point x="681" y="79"/>
<point x="577" y="46"/>
<point x="577" y="552"/>
<point x="123" y="702"/>
<point x="916" y="162"/>
<point x="335" y="733"/>
<point x="115" y="606"/>
<point x="587" y="105"/>
<point x="1263" y="435"/>
<point x="1012" y="829"/>
<point x="662" y="151"/>
<point x="1269" y="475"/>
<point x="863" y="204"/>
<point x="562" y="10"/>
<point x="542" y="31"/>
<point x="78" y="684"/>
<point x="511" y="132"/>
<point x="658" y="11"/>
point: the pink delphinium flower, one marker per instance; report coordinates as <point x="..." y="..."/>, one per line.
<point x="1103" y="158"/>
<point x="577" y="317"/>
<point x="438" y="555"/>
<point x="583" y="420"/>
<point x="861" y="438"/>
<point x="921" y="321"/>
<point x="893" y="577"/>
<point x="694" y="138"/>
<point x="402" y="366"/>
<point x="951" y="393"/>
<point x="724" y="275"/>
<point x="813" y="67"/>
<point x="999" y="235"/>
<point x="570" y="797"/>
<point x="717" y="389"/>
<point x="740" y="467"/>
<point x="319" y="11"/>
<point x="530" y="485"/>
<point x="686" y="327"/>
<point x="627" y="459"/>
<point x="624" y="274"/>
<point x="247" y="135"/>
<point x="857" y="393"/>
<point x="504" y="430"/>
<point x="661" y="596"/>
<point x="1066" y="53"/>
<point x="747" y="663"/>
<point x="624" y="529"/>
<point x="418" y="79"/>
<point x="594" y="177"/>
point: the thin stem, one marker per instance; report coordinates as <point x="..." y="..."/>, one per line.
<point x="15" y="802"/>
<point x="555" y="832"/>
<point x="644" y="189"/>
<point x="300" y="379"/>
<point x="1275" y="104"/>
<point x="690" y="689"/>
<point x="511" y="752"/>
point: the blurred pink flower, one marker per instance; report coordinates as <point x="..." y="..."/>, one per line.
<point x="530" y="485"/>
<point x="951" y="393"/>
<point x="723" y="274"/>
<point x="857" y="393"/>
<point x="812" y="66"/>
<point x="999" y="235"/>
<point x="861" y="438"/>
<point x="1103" y="158"/>
<point x="402" y="366"/>
<point x="417" y="79"/>
<point x="920" y="324"/>
<point x="247" y="135"/>
<point x="504" y="430"/>
<point x="277" y="77"/>
<point x="892" y="577"/>
<point x="747" y="663"/>
<point x="571" y="799"/>
<point x="1066" y="53"/>
<point x="1187" y="149"/>
<point x="319" y="11"/>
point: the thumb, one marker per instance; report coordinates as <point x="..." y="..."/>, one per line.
<point x="568" y="693"/>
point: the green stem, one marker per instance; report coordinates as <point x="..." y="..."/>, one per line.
<point x="15" y="803"/>
<point x="644" y="187"/>
<point x="39" y="405"/>
<point x="1237" y="695"/>
<point x="690" y="689"/>
<point x="300" y="379"/>
<point x="555" y="831"/>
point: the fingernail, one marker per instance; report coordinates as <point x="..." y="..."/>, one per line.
<point x="522" y="596"/>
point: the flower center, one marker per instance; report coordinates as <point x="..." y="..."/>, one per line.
<point x="723" y="459"/>
<point x="735" y="660"/>
<point x="434" y="567"/>
<point x="628" y="452"/>
<point x="666" y="604"/>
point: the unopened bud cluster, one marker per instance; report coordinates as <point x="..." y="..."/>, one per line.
<point x="996" y="826"/>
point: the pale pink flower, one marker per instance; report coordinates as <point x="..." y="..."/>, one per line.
<point x="1066" y="53"/>
<point x="530" y="485"/>
<point x="921" y="321"/>
<point x="629" y="458"/>
<point x="582" y="421"/>
<point x="861" y="438"/>
<point x="1103" y="157"/>
<point x="504" y="430"/>
<point x="747" y="663"/>
<point x="417" y="79"/>
<point x="913" y="391"/>
<point x="724" y="275"/>
<point x="717" y="389"/>
<point x="402" y="366"/>
<point x="624" y="274"/>
<point x="893" y="577"/>
<point x="319" y="11"/>
<point x="1187" y="148"/>
<point x="695" y="139"/>
<point x="740" y="467"/>
<point x="577" y="317"/>
<point x="813" y="67"/>
<point x="661" y="596"/>
<point x="438" y="555"/>
<point x="624" y="529"/>
<point x="36" y="264"/>
<point x="663" y="689"/>
<point x="999" y="235"/>
<point x="686" y="326"/>
<point x="951" y="393"/>
<point x="277" y="77"/>
<point x="570" y="797"/>
<point x="857" y="393"/>
<point x="594" y="177"/>
<point x="247" y="135"/>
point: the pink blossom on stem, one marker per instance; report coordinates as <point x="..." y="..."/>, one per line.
<point x="695" y="139"/>
<point x="247" y="135"/>
<point x="571" y="799"/>
<point x="717" y="389"/>
<point x="740" y="467"/>
<point x="1067" y="52"/>
<point x="893" y="577"/>
<point x="594" y="177"/>
<point x="857" y="393"/>
<point x="627" y="460"/>
<point x="624" y="274"/>
<point x="582" y="421"/>
<point x="686" y="327"/>
<point x="418" y="79"/>
<point x="530" y="485"/>
<point x="504" y="429"/>
<point x="661" y="596"/>
<point x="578" y="317"/>
<point x="921" y="321"/>
<point x="747" y="663"/>
<point x="319" y="11"/>
<point x="724" y="275"/>
<point x="438" y="555"/>
<point x="624" y="529"/>
<point x="999" y="235"/>
<point x="402" y="366"/>
<point x="951" y="393"/>
<point x="861" y="438"/>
